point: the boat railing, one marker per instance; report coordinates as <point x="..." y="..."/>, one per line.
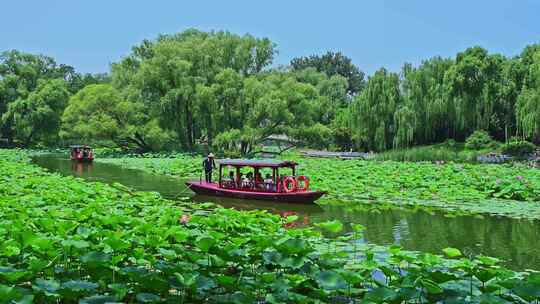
<point x="253" y="186"/>
<point x="249" y="186"/>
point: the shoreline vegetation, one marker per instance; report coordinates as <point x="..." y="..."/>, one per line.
<point x="68" y="240"/>
<point x="194" y="89"/>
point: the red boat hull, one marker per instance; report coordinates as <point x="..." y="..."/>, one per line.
<point x="213" y="189"/>
<point x="83" y="160"/>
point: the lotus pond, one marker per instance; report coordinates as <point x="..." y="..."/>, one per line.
<point x="512" y="240"/>
<point x="65" y="240"/>
<point x="511" y="190"/>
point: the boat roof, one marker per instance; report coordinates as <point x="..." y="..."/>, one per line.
<point x="80" y="146"/>
<point x="268" y="163"/>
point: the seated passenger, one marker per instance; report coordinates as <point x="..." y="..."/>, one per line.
<point x="230" y="182"/>
<point x="248" y="181"/>
<point x="241" y="179"/>
<point x="259" y="182"/>
<point x="269" y="183"/>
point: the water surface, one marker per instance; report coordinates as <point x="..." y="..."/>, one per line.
<point x="514" y="241"/>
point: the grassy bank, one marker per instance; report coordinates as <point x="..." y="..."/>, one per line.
<point x="440" y="152"/>
<point x="509" y="190"/>
<point x="66" y="240"/>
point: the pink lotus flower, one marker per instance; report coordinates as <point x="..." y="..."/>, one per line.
<point x="519" y="177"/>
<point x="184" y="219"/>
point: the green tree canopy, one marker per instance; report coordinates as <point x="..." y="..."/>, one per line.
<point x="373" y="111"/>
<point x="37" y="116"/>
<point x="98" y="112"/>
<point x="278" y="104"/>
<point x="170" y="73"/>
<point x="333" y="64"/>
<point x="33" y="92"/>
<point x="528" y="105"/>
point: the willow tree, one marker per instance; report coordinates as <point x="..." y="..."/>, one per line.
<point x="165" y="74"/>
<point x="278" y="104"/>
<point x="373" y="111"/>
<point x="333" y="96"/>
<point x="22" y="77"/>
<point x="231" y="109"/>
<point x="99" y="113"/>
<point x="474" y="86"/>
<point x="528" y="105"/>
<point x="423" y="92"/>
<point x="37" y="116"/>
<point x="333" y="64"/>
<point x="405" y="127"/>
<point x="207" y="111"/>
<point x="514" y="72"/>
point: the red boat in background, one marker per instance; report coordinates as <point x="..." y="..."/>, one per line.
<point x="273" y="187"/>
<point x="82" y="153"/>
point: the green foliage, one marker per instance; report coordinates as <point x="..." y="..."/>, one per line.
<point x="452" y="252"/>
<point x="37" y="117"/>
<point x="431" y="153"/>
<point x="450" y="98"/>
<point x="191" y="81"/>
<point x="333" y="64"/>
<point x="373" y="111"/>
<point x="479" y="140"/>
<point x="68" y="243"/>
<point x="33" y="94"/>
<point x="317" y="136"/>
<point x="518" y="148"/>
<point x="194" y="86"/>
<point x="528" y="104"/>
<point x="98" y="112"/>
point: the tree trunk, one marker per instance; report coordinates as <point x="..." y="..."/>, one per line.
<point x="140" y="143"/>
<point x="209" y="135"/>
<point x="189" y="126"/>
<point x="7" y="133"/>
<point x="505" y="132"/>
<point x="28" y="140"/>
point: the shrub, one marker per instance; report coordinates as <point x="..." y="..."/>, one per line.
<point x="450" y="143"/>
<point x="479" y="140"/>
<point x="519" y="148"/>
<point x="317" y="136"/>
<point x="424" y="153"/>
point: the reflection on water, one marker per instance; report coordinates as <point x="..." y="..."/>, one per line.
<point x="508" y="239"/>
<point x="168" y="186"/>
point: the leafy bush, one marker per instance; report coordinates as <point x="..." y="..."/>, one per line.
<point x="480" y="139"/>
<point x="518" y="148"/>
<point x="450" y="143"/>
<point x="510" y="187"/>
<point x="317" y="136"/>
<point x="427" y="153"/>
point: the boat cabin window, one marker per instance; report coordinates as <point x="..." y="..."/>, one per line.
<point x="253" y="178"/>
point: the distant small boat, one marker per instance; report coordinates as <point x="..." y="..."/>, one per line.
<point x="292" y="188"/>
<point x="82" y="153"/>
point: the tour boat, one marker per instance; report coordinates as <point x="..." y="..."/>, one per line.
<point x="291" y="188"/>
<point x="82" y="153"/>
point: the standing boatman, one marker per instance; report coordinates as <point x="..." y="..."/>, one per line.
<point x="208" y="165"/>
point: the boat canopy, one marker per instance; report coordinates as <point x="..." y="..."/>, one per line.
<point x="257" y="163"/>
<point x="80" y="147"/>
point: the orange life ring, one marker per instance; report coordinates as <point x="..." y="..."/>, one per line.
<point x="304" y="179"/>
<point x="289" y="180"/>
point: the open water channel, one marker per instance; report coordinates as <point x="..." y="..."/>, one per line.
<point x="514" y="241"/>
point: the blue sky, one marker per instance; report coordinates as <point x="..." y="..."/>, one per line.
<point x="92" y="34"/>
